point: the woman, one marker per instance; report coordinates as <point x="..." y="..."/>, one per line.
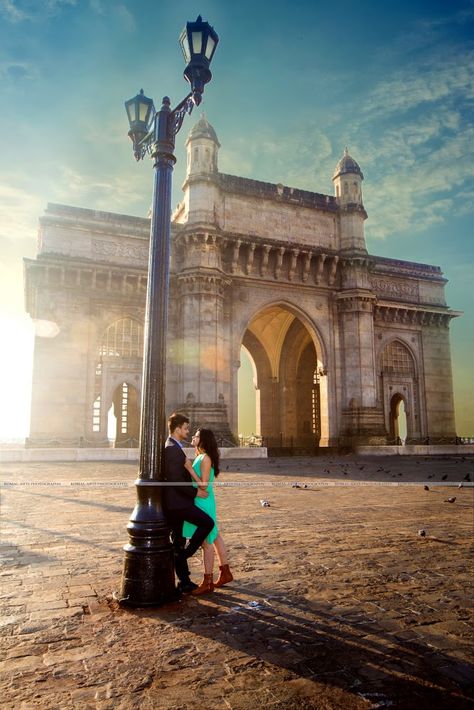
<point x="204" y="469"/>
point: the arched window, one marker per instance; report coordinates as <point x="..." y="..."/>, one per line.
<point x="124" y="338"/>
<point x="96" y="415"/>
<point x="315" y="407"/>
<point x="396" y="358"/>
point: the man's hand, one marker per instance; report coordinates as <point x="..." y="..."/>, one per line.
<point x="202" y="493"/>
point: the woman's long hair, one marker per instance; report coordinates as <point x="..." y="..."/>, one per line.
<point x="208" y="444"/>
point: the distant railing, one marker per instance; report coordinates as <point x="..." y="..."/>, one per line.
<point x="252" y="440"/>
<point x="82" y="442"/>
<point x="289" y="443"/>
<point x="430" y="441"/>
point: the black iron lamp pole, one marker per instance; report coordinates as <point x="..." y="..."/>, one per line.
<point x="148" y="574"/>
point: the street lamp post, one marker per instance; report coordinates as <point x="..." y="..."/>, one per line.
<point x="148" y="574"/>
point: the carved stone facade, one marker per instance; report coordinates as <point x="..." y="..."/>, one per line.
<point x="338" y="338"/>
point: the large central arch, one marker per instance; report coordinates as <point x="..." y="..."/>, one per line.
<point x="290" y="377"/>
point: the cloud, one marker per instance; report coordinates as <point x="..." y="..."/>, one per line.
<point x="120" y="13"/>
<point x="432" y="81"/>
<point x="16" y="71"/>
<point x="11" y="12"/>
<point x="19" y="208"/>
<point x="32" y="10"/>
<point x="115" y="193"/>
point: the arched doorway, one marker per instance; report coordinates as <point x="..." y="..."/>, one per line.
<point x="287" y="357"/>
<point x="398" y="419"/>
<point x="249" y="396"/>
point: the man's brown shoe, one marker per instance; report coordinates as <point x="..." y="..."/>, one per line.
<point x="206" y="586"/>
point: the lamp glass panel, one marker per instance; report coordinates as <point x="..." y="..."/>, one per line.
<point x="131" y="112"/>
<point x="142" y="111"/>
<point x="185" y="46"/>
<point x="209" y="47"/>
<point x="197" y="42"/>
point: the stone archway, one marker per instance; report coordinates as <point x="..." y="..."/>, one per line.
<point x="288" y="360"/>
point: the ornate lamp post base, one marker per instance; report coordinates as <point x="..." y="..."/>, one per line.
<point x="145" y="580"/>
<point x="148" y="572"/>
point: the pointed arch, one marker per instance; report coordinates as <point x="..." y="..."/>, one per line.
<point x="288" y="351"/>
<point x="397" y="366"/>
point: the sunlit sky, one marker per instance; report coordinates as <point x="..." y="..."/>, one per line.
<point x="294" y="83"/>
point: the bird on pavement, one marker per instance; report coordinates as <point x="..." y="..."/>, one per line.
<point x="427" y="488"/>
<point x="450" y="500"/>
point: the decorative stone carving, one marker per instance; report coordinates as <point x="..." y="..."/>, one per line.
<point x="396" y="288"/>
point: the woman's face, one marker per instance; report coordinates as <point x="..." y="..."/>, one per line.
<point x="195" y="440"/>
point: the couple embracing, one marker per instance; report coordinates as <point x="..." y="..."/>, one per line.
<point x="190" y="506"/>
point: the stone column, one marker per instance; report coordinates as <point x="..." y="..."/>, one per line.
<point x="362" y="419"/>
<point x="438" y="385"/>
<point x="205" y="378"/>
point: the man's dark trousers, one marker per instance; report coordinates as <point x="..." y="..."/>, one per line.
<point x="204" y="524"/>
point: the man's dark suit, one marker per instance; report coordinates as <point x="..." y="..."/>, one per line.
<point x="178" y="506"/>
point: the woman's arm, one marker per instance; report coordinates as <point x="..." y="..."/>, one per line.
<point x="205" y="470"/>
<point x="192" y="472"/>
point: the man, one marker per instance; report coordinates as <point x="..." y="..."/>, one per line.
<point x="178" y="501"/>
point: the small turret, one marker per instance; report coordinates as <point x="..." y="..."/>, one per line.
<point x="347" y="181"/>
<point x="202" y="148"/>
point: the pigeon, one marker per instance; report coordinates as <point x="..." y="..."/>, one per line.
<point x="264" y="503"/>
<point x="450" y="500"/>
<point x="422" y="533"/>
<point x="460" y="485"/>
<point x="443" y="478"/>
<point x="467" y="478"/>
<point x="295" y="485"/>
<point x="427" y="488"/>
<point x="431" y="475"/>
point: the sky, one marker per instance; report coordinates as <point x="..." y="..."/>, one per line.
<point x="293" y="84"/>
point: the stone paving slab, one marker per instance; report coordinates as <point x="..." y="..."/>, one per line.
<point x="337" y="601"/>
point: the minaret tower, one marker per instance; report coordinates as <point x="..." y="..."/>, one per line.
<point x="202" y="363"/>
<point x="347" y="181"/>
<point x="362" y="417"/>
<point x="202" y="148"/>
<point x="201" y="192"/>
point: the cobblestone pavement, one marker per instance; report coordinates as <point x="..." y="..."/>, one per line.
<point x="337" y="602"/>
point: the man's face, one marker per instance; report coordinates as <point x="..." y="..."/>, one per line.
<point x="182" y="432"/>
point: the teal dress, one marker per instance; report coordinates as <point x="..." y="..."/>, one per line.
<point x="208" y="505"/>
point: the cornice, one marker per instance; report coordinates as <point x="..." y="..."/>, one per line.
<point x="79" y="218"/>
<point x="63" y="273"/>
<point x="396" y="267"/>
<point x="385" y="312"/>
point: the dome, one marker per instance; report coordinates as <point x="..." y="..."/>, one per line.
<point x="203" y="129"/>
<point x="347" y="165"/>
